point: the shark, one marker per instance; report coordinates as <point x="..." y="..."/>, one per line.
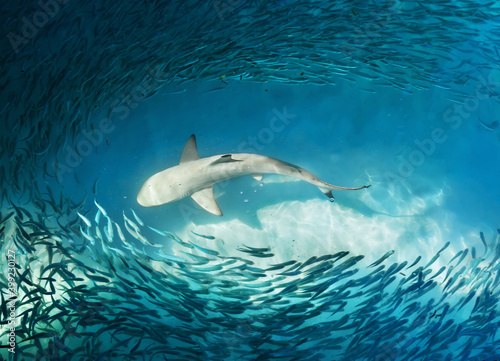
<point x="195" y="177"/>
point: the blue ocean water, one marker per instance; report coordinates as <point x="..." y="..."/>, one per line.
<point x="401" y="96"/>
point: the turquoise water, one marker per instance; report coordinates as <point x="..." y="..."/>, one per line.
<point x="400" y="96"/>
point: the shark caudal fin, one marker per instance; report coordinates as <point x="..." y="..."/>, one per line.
<point x="327" y="190"/>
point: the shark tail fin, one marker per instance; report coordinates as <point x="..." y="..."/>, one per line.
<point x="327" y="190"/>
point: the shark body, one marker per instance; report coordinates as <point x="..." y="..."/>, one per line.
<point x="195" y="177"/>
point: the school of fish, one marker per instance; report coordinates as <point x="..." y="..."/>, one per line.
<point x="90" y="287"/>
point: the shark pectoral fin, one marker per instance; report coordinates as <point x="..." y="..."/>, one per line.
<point x="328" y="193"/>
<point x="257" y="177"/>
<point x="225" y="159"/>
<point x="190" y="151"/>
<point x="205" y="198"/>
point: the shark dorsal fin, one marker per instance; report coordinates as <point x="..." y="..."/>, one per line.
<point x="190" y="151"/>
<point x="205" y="198"/>
<point x="226" y="158"/>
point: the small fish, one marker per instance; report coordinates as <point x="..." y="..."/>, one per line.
<point x="213" y="90"/>
<point x="414" y="263"/>
<point x="161" y="233"/>
<point x="200" y="259"/>
<point x="98" y="233"/>
<point x="137" y="218"/>
<point x="471" y="294"/>
<point x="253" y="249"/>
<point x="110" y="233"/>
<point x="98" y="216"/>
<point x="97" y="278"/>
<point x="120" y="234"/>
<point x="87" y="236"/>
<point x="137" y="235"/>
<point x="444" y="247"/>
<point x="450" y="269"/>
<point x="87" y="222"/>
<point x="170" y="257"/>
<point x="436" y="256"/>
<point x="262" y="255"/>
<point x="100" y="208"/>
<point x="441" y="270"/>
<point x="492" y="126"/>
<point x="205" y="250"/>
<point x="457" y="255"/>
<point x="382" y="259"/>
<point x="281" y="265"/>
<point x="257" y="252"/>
<point x="466" y="252"/>
<point x="94" y="187"/>
<point x="178" y="240"/>
<point x="481" y="235"/>
<point x="132" y="224"/>
<point x="37" y="336"/>
<point x="202" y="235"/>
